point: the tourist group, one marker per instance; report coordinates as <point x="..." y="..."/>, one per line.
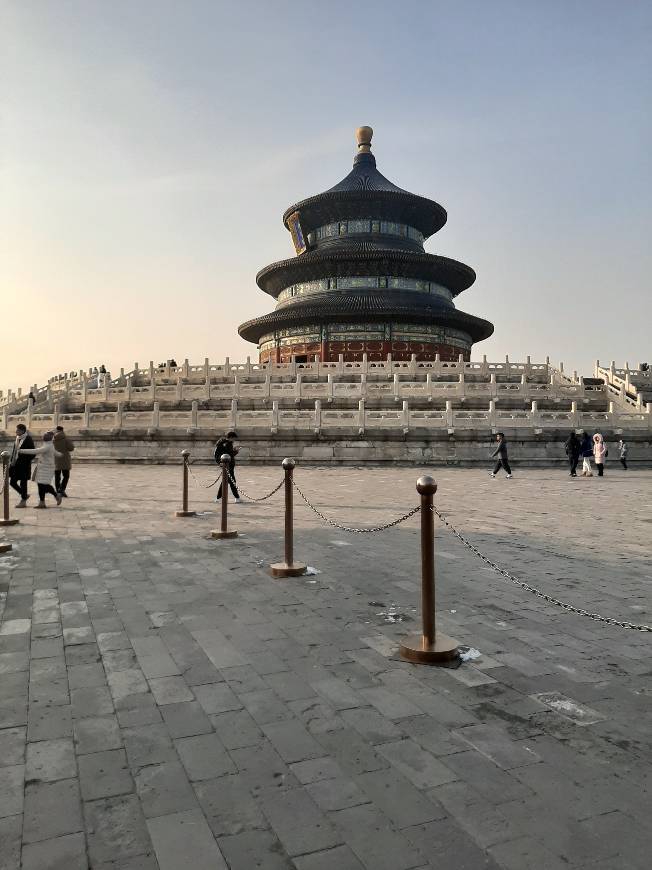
<point x="53" y="460"/>
<point x="583" y="447"/>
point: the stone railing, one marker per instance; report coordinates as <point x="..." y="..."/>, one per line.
<point x="328" y="421"/>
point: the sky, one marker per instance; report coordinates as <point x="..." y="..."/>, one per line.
<point x="148" y="150"/>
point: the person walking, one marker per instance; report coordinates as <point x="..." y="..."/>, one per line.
<point x="501" y="453"/>
<point x="63" y="462"/>
<point x="20" y="467"/>
<point x="586" y="452"/>
<point x="573" y="453"/>
<point x="226" y="445"/>
<point x="599" y="452"/>
<point x="46" y="456"/>
<point x="623" y="451"/>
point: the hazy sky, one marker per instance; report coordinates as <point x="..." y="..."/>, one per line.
<point x="148" y="149"/>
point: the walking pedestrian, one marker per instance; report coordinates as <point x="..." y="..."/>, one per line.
<point x="623" y="450"/>
<point x="573" y="453"/>
<point x="586" y="452"/>
<point x="501" y="453"/>
<point x="600" y="453"/>
<point x="20" y="467"/>
<point x="44" y="472"/>
<point x="63" y="461"/>
<point x="226" y="445"/>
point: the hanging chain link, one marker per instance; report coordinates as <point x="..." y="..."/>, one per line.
<point x="608" y="620"/>
<point x="200" y="485"/>
<point x="337" y="525"/>
<point x="251" y="497"/>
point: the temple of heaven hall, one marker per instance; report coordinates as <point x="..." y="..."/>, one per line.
<point x="361" y="282"/>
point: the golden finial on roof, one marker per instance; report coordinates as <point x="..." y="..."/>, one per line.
<point x="363" y="138"/>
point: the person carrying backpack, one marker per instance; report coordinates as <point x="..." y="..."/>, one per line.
<point x="226" y="445"/>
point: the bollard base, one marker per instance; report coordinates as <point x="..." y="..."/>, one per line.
<point x="218" y="535"/>
<point x="185" y="514"/>
<point x="282" y="569"/>
<point x="416" y="649"/>
<point x="9" y="522"/>
<point x="5" y="548"/>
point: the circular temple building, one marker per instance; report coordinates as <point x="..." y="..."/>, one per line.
<point x="361" y="282"/>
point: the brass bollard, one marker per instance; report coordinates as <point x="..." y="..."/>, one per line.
<point x="223" y="531"/>
<point x="288" y="568"/>
<point x="5" y="521"/>
<point x="184" y="512"/>
<point x="429" y="648"/>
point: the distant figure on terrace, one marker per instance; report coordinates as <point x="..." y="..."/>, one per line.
<point x="501" y="453"/>
<point x="20" y="467"/>
<point x="226" y="445"/>
<point x="623" y="449"/>
<point x="31" y="399"/>
<point x="573" y="449"/>
<point x="586" y="452"/>
<point x="599" y="452"/>
<point x="63" y="461"/>
<point x="45" y="456"/>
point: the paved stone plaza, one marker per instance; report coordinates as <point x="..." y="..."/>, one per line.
<point x="165" y="704"/>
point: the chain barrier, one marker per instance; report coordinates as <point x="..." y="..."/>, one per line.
<point x="196" y="481"/>
<point x="251" y="497"/>
<point x="570" y="608"/>
<point x="337" y="525"/>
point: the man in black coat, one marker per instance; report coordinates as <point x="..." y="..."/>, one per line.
<point x="501" y="453"/>
<point x="573" y="450"/>
<point x="20" y="466"/>
<point x="226" y="445"/>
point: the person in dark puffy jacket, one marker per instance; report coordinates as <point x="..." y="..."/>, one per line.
<point x="573" y="448"/>
<point x="226" y="445"/>
<point x="586" y="452"/>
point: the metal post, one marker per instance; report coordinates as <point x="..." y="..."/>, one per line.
<point x="288" y="568"/>
<point x="224" y="532"/>
<point x="430" y="647"/>
<point x="184" y="512"/>
<point x="5" y="521"/>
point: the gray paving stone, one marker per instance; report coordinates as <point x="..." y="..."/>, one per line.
<point x="104" y="774"/>
<point x="341" y="857"/>
<point x="80" y="676"/>
<point x="298" y="822"/>
<point x="219" y="650"/>
<point x="185" y="840"/>
<point x="113" y="640"/>
<point x="292" y="741"/>
<point x="170" y="690"/>
<point x="370" y="836"/>
<point x="116" y="830"/>
<point x="372" y="725"/>
<point x="186" y="719"/>
<point x="164" y="789"/>
<point x="398" y="799"/>
<point x="49" y="723"/>
<point x="148" y="744"/>
<point x="138" y="710"/>
<point x="97" y="734"/>
<point x="217" y="698"/>
<point x="254" y="849"/>
<point x="119" y="660"/>
<point x="526" y="853"/>
<point x="261" y="766"/>
<point x="229" y="806"/>
<point x="336" y="794"/>
<point x="480" y="818"/>
<point x="243" y="678"/>
<point x="265" y="707"/>
<point x="52" y="809"/>
<point x="390" y="704"/>
<point x="47" y="647"/>
<point x="11" y="790"/>
<point x="445" y="844"/>
<point x="13" y="711"/>
<point x="351" y="752"/>
<point x="495" y="784"/>
<point x="154" y="658"/>
<point x="11" y="829"/>
<point x="338" y="694"/>
<point x="419" y="766"/>
<point x="95" y="701"/>
<point x="236" y="729"/>
<point x="62" y="853"/>
<point x="50" y="760"/>
<point x="12" y="746"/>
<point x="204" y="756"/>
<point x="122" y="684"/>
<point x="315" y="769"/>
<point x="288" y="686"/>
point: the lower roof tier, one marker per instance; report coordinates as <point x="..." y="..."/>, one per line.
<point x="361" y="260"/>
<point x="364" y="306"/>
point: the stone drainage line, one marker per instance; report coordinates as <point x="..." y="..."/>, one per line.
<point x="337" y="525"/>
<point x="608" y="620"/>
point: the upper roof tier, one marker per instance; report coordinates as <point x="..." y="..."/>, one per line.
<point x="366" y="193"/>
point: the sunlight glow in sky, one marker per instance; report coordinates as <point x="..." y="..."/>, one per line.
<point x="148" y="150"/>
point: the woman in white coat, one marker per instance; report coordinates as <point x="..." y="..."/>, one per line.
<point x="599" y="452"/>
<point x="45" y="457"/>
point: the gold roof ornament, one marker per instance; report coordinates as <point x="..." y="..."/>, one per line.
<point x="363" y="138"/>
